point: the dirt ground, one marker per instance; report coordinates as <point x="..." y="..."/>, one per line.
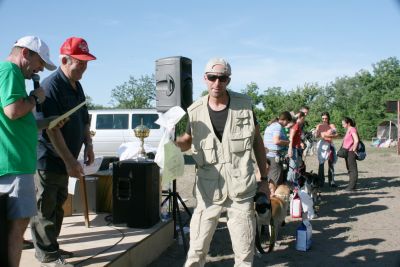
<point x="352" y="229"/>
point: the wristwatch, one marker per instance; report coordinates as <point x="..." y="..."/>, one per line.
<point x="36" y="98"/>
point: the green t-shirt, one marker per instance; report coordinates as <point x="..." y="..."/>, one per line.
<point x="18" y="138"/>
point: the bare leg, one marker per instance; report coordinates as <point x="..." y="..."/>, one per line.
<point x="15" y="238"/>
<point x="272" y="188"/>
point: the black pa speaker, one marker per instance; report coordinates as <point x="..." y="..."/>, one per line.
<point x="136" y="193"/>
<point x="174" y="85"/>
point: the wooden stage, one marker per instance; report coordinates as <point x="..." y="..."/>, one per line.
<point x="104" y="244"/>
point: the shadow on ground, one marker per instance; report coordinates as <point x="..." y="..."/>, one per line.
<point x="332" y="234"/>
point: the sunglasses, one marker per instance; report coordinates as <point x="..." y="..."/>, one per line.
<point x="213" y="78"/>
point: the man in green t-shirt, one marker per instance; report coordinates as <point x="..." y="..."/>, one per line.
<point x="18" y="136"/>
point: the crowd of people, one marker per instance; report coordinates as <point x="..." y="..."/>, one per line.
<point x="222" y="132"/>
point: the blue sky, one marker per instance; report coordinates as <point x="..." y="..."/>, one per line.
<point x="272" y="43"/>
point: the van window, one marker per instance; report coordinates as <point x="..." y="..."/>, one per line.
<point x="148" y="120"/>
<point x="112" y="121"/>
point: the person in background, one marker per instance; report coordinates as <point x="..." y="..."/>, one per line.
<point x="303" y="146"/>
<point x="350" y="142"/>
<point x="18" y="135"/>
<point x="326" y="151"/>
<point x="58" y="150"/>
<point x="305" y="110"/>
<point x="294" y="148"/>
<point x="276" y="143"/>
<point x="224" y="137"/>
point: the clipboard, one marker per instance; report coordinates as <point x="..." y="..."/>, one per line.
<point x="54" y="122"/>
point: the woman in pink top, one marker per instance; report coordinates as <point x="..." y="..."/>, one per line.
<point x="350" y="142"/>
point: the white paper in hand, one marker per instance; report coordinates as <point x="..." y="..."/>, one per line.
<point x="71" y="185"/>
<point x="92" y="168"/>
<point x="54" y="122"/>
<point x="173" y="163"/>
<point x="167" y="120"/>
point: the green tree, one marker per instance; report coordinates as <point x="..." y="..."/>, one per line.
<point x="91" y="105"/>
<point x="252" y="91"/>
<point x="135" y="93"/>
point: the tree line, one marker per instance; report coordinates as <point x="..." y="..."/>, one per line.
<point x="362" y="97"/>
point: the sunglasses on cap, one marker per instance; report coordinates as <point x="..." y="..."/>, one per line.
<point x="213" y="78"/>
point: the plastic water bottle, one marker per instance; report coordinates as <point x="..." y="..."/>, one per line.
<point x="165" y="214"/>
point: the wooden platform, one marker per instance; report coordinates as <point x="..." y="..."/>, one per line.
<point x="107" y="245"/>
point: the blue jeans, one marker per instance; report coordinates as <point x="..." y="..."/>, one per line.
<point x="294" y="162"/>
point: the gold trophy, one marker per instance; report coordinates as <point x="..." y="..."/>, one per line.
<point x="141" y="132"/>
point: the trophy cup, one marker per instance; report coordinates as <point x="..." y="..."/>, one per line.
<point x="141" y="132"/>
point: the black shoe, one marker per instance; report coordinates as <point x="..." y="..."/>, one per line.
<point x="332" y="184"/>
<point x="65" y="254"/>
<point x="57" y="263"/>
<point x="27" y="244"/>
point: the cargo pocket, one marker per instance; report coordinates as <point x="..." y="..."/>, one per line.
<point x="197" y="156"/>
<point x="243" y="182"/>
<point x="243" y="118"/>
<point x="209" y="152"/>
<point x="209" y="183"/>
<point x="240" y="142"/>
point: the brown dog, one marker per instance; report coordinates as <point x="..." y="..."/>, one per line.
<point x="275" y="217"/>
<point x="280" y="205"/>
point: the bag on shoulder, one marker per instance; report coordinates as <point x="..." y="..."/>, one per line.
<point x="361" y="153"/>
<point x="342" y="152"/>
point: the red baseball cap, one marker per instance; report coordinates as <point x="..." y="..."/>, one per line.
<point x="77" y="48"/>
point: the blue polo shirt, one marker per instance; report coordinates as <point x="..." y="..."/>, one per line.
<point x="275" y="129"/>
<point x="61" y="97"/>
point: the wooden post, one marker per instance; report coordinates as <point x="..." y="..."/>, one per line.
<point x="84" y="200"/>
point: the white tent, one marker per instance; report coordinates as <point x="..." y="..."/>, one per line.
<point x="386" y="134"/>
<point x="387" y="130"/>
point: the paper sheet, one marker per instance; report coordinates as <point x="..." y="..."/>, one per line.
<point x="173" y="163"/>
<point x="54" y="122"/>
<point x="92" y="168"/>
<point x="168" y="120"/>
<point x="71" y="185"/>
<point x="130" y="150"/>
<point x="87" y="170"/>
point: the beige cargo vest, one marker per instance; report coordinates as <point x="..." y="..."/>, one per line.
<point x="224" y="169"/>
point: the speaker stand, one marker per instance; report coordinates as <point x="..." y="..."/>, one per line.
<point x="176" y="213"/>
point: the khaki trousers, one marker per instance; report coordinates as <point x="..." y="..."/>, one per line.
<point x="241" y="225"/>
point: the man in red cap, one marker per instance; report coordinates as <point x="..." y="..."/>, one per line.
<point x="58" y="150"/>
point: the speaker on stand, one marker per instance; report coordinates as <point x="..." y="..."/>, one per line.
<point x="174" y="87"/>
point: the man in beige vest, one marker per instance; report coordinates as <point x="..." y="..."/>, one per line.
<point x="224" y="136"/>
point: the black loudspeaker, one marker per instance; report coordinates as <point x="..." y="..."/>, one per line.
<point x="3" y="230"/>
<point x="174" y="85"/>
<point x="136" y="193"/>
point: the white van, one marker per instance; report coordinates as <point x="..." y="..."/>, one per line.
<point x="112" y="127"/>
